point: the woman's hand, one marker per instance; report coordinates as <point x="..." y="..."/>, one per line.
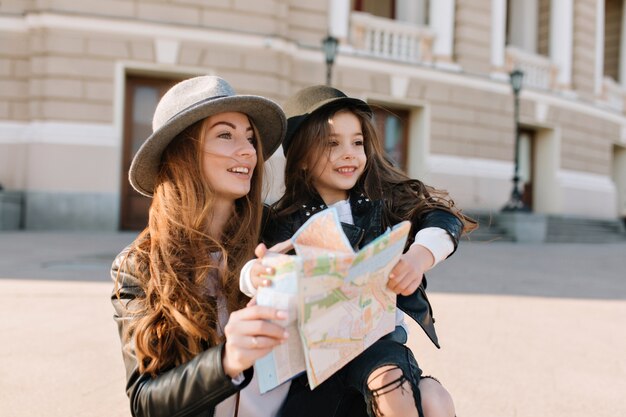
<point x="250" y="335"/>
<point x="407" y="274"/>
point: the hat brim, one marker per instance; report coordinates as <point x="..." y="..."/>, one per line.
<point x="266" y="115"/>
<point x="294" y="122"/>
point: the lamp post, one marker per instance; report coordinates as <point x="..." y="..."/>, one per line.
<point x="330" y="44"/>
<point x="515" y="203"/>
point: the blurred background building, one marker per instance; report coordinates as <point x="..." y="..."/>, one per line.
<point x="79" y="81"/>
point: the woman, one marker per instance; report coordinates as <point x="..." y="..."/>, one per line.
<point x="188" y="338"/>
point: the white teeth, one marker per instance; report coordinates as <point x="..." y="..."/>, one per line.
<point x="345" y="170"/>
<point x="240" y="170"/>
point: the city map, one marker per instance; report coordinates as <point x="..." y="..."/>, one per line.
<point x="338" y="301"/>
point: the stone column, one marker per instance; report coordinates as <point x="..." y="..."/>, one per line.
<point x="441" y="18"/>
<point x="498" y="35"/>
<point x="339" y="19"/>
<point x="622" y="48"/>
<point x="562" y="39"/>
<point x="599" y="59"/>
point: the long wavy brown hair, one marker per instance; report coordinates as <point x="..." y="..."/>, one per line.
<point x="405" y="198"/>
<point x="175" y="257"/>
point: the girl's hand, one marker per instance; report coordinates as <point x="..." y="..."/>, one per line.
<point x="250" y="335"/>
<point x="407" y="274"/>
<point x="259" y="273"/>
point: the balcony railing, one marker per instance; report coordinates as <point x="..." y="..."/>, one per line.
<point x="390" y="39"/>
<point x="539" y="71"/>
<point x="613" y="94"/>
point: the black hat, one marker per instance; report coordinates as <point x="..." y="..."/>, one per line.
<point x="308" y="100"/>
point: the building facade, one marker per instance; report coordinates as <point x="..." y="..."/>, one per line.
<point x="79" y="82"/>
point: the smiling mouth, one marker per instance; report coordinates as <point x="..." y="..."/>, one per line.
<point x="239" y="170"/>
<point x="346" y="170"/>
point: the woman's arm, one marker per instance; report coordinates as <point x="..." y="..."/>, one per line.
<point x="182" y="391"/>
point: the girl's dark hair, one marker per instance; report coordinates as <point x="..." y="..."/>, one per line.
<point x="405" y="198"/>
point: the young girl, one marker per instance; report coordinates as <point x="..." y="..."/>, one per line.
<point x="188" y="338"/>
<point x="334" y="158"/>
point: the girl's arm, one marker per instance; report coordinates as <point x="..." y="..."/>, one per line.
<point x="430" y="247"/>
<point x="254" y="274"/>
<point x="443" y="220"/>
<point x="246" y="284"/>
<point x="437" y="241"/>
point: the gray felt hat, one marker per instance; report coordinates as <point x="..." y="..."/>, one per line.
<point x="190" y="101"/>
<point x="301" y="105"/>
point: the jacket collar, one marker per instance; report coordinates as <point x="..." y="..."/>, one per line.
<point x="367" y="216"/>
<point x="359" y="203"/>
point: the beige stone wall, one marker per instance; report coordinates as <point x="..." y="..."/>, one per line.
<point x="59" y="167"/>
<point x="587" y="142"/>
<point x="253" y="16"/>
<point x="472" y="35"/>
<point x="55" y="74"/>
<point x="12" y="160"/>
<point x="586" y="138"/>
<point x="612" y="34"/>
<point x="73" y="168"/>
<point x="14" y="75"/>
<point x="474" y="123"/>
<point x="306" y="21"/>
<point x="583" y="60"/>
<point x="469" y="123"/>
<point x="73" y="75"/>
<point x="16" y="7"/>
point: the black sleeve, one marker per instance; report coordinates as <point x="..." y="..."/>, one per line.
<point x="444" y="220"/>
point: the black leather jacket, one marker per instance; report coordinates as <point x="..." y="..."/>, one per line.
<point x="192" y="389"/>
<point x="368" y="225"/>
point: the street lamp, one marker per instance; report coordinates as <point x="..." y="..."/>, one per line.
<point x="330" y="43"/>
<point x="515" y="203"/>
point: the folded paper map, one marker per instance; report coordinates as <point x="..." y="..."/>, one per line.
<point x="337" y="299"/>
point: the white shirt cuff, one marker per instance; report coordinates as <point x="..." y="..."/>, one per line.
<point x="245" y="280"/>
<point x="437" y="241"/>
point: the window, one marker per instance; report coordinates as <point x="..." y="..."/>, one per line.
<point x="528" y="25"/>
<point x="393" y="128"/>
<point x="413" y="11"/>
<point x="382" y="8"/>
<point x="613" y="10"/>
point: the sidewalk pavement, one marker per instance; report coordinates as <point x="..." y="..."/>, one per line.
<point x="526" y="330"/>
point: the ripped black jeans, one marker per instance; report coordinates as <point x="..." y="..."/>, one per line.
<point x="346" y="393"/>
